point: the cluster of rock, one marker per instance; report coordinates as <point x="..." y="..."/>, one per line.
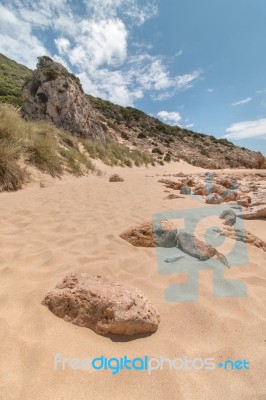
<point x="243" y="236"/>
<point x="164" y="234"/>
<point x="102" y="305"/>
<point x="217" y="189"/>
<point x="55" y="95"/>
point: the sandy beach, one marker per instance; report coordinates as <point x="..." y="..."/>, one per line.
<point x="73" y="225"/>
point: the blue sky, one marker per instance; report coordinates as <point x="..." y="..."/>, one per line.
<point x="197" y="64"/>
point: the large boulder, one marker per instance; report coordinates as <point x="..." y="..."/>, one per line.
<point x="101" y="305"/>
<point x="55" y="95"/>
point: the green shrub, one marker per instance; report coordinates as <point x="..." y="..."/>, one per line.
<point x="157" y="150"/>
<point x="167" y="157"/>
<point x="51" y="73"/>
<point x="142" y="135"/>
<point x="204" y="152"/>
<point x="125" y="136"/>
<point x="39" y="144"/>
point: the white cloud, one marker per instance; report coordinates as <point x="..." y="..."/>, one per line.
<point x="189" y="126"/>
<point x="185" y="81"/>
<point x="27" y="48"/>
<point x="261" y="91"/>
<point x="62" y="45"/>
<point x="171" y="118"/>
<point x="102" y="42"/>
<point x="137" y="13"/>
<point x="92" y="38"/>
<point x="140" y="14"/>
<point x="179" y="53"/>
<point x="247" y="129"/>
<point x="210" y="90"/>
<point x="240" y="102"/>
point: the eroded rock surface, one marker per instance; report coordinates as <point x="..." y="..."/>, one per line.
<point x="55" y="95"/>
<point x="102" y="305"/>
<point x="254" y="212"/>
<point x="150" y="235"/>
<point x="242" y="235"/>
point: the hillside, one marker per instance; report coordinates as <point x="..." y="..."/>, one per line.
<point x="105" y="122"/>
<point x="172" y="143"/>
<point x="12" y="78"/>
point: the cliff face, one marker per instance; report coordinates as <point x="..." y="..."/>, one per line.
<point x="55" y="95"/>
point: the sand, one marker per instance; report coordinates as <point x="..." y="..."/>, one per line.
<point x="74" y="225"/>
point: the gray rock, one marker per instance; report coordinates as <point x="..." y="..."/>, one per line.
<point x="214" y="198"/>
<point x="171" y="260"/>
<point x="185" y="190"/>
<point x="101" y="305"/>
<point x="229" y="216"/>
<point x="164" y="238"/>
<point x="196" y="248"/>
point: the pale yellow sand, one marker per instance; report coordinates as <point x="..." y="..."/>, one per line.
<point x="74" y="225"/>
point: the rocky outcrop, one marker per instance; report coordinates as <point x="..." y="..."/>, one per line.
<point x="241" y="235"/>
<point x="226" y="194"/>
<point x="258" y="199"/>
<point x="171" y="184"/>
<point x="101" y="305"/>
<point x="254" y="212"/>
<point x="55" y="95"/>
<point x="128" y="125"/>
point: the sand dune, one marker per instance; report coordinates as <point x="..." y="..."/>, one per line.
<point x="74" y="225"/>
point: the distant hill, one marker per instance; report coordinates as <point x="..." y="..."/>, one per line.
<point x="126" y="125"/>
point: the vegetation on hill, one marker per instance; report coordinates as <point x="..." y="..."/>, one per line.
<point x="52" y="151"/>
<point x="12" y="78"/>
<point x="172" y="143"/>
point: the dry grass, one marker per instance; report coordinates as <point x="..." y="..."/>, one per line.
<point x="37" y="143"/>
<point x="52" y="150"/>
<point x="116" y="154"/>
